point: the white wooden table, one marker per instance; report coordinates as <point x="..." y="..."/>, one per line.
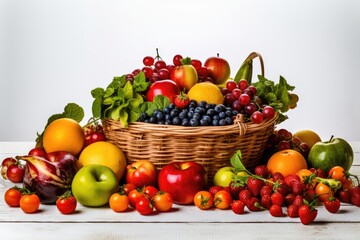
<point x="185" y="222"/>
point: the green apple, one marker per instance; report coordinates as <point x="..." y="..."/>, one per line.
<point x="93" y="185"/>
<point x="225" y="175"/>
<point x="328" y="154"/>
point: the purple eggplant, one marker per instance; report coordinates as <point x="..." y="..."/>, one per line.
<point x="50" y="177"/>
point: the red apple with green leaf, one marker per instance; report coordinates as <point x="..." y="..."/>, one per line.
<point x="218" y="69"/>
<point x="141" y="173"/>
<point x="182" y="180"/>
<point x="185" y="75"/>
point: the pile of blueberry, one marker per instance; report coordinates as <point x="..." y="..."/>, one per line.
<point x="202" y="114"/>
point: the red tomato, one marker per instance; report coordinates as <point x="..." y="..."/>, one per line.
<point x="134" y="196"/>
<point x="222" y="199"/>
<point x="15" y="173"/>
<point x="66" y="204"/>
<point x="150" y="191"/>
<point x="144" y="206"/>
<point x="29" y="203"/>
<point x="204" y="200"/>
<point x="163" y="201"/>
<point x="119" y="202"/>
<point x="12" y="197"/>
<point x="338" y="173"/>
<point x="127" y="188"/>
<point x="323" y="191"/>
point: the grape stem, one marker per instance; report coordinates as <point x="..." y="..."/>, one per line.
<point x="157" y="55"/>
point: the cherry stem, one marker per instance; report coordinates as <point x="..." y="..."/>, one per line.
<point x="217" y="55"/>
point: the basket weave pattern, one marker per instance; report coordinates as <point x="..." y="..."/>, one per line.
<point x="210" y="146"/>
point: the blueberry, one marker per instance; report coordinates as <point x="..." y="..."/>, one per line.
<point x="160" y="116"/>
<point x="210" y="112"/>
<point x="190" y="114"/>
<point x="200" y="110"/>
<point x="161" y="122"/>
<point x="167" y="110"/>
<point x="171" y="106"/>
<point x="222" y="115"/>
<point x="143" y="116"/>
<point x="182" y="115"/>
<point x="197" y="116"/>
<point x="156" y="112"/>
<point x="176" y="121"/>
<point x="152" y="119"/>
<point x="192" y="104"/>
<point x="202" y="104"/>
<point x="216" y="117"/>
<point x="228" y="121"/>
<point x="194" y="122"/>
<point x="220" y="108"/>
<point x="222" y="122"/>
<point x="228" y="113"/>
<point x="215" y="122"/>
<point x="174" y="112"/>
<point x="168" y="117"/>
<point x="207" y="119"/>
<point x="235" y="112"/>
<point x="203" y="122"/>
<point x="185" y="122"/>
<point x="168" y="122"/>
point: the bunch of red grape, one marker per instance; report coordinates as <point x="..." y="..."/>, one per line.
<point x="283" y="139"/>
<point x="155" y="68"/>
<point x="242" y="98"/>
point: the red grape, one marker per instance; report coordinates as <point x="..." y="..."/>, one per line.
<point x="257" y="117"/>
<point x="148" y="71"/>
<point x="163" y="74"/>
<point x="243" y="84"/>
<point x="236" y="93"/>
<point x="196" y="64"/>
<point x="231" y="85"/>
<point x="177" y="60"/>
<point x="160" y="64"/>
<point x="268" y="112"/>
<point x="148" y="61"/>
<point x="244" y="99"/>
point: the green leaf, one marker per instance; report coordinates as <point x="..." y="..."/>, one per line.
<point x="140" y="84"/>
<point x="97" y="92"/>
<point x="108" y="92"/>
<point x="117" y="82"/>
<point x="128" y="90"/>
<point x="161" y="102"/>
<point x="124" y="117"/>
<point x="136" y="101"/>
<point x="108" y="101"/>
<point x="134" y="114"/>
<point x="271" y="97"/>
<point x="148" y="107"/>
<point x="74" y="111"/>
<point x="236" y="162"/>
<point x="96" y="107"/>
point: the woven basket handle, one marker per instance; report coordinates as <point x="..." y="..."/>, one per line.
<point x="253" y="55"/>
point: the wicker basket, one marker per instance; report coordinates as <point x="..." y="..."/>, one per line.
<point x="210" y="146"/>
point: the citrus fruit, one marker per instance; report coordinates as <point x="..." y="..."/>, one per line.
<point x="206" y="91"/>
<point x="104" y="153"/>
<point x="64" y="134"/>
<point x="286" y="162"/>
<point x="308" y="136"/>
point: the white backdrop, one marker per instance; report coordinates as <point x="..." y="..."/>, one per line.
<point x="55" y="52"/>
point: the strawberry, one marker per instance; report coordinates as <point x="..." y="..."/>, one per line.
<point x="297" y="187"/>
<point x="182" y="100"/>
<point x="332" y="204"/>
<point x="289" y="178"/>
<point x="307" y="212"/>
<point x="281" y="187"/>
<point x="276" y="211"/>
<point x="215" y="189"/>
<point x="355" y="195"/>
<point x="266" y="201"/>
<point x="261" y="171"/>
<point x="235" y="188"/>
<point x="277" y="198"/>
<point x="344" y="196"/>
<point x="293" y="211"/>
<point x="254" y="185"/>
<point x="245" y="195"/>
<point x="238" y="206"/>
<point x="289" y="199"/>
<point x="277" y="176"/>
<point x="266" y="190"/>
<point x="298" y="201"/>
<point x="254" y="204"/>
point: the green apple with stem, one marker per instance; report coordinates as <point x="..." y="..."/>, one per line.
<point x="93" y="185"/>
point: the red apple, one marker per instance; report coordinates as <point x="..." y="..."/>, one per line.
<point x="141" y="173"/>
<point x="185" y="76"/>
<point x="166" y="88"/>
<point x="182" y="180"/>
<point x="218" y="69"/>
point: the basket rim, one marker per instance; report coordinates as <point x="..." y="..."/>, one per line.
<point x="238" y="127"/>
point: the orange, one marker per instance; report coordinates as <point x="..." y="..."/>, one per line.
<point x="64" y="134"/>
<point x="308" y="136"/>
<point x="104" y="153"/>
<point x="206" y="91"/>
<point x="286" y="162"/>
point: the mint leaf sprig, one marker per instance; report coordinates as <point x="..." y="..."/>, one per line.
<point x="121" y="100"/>
<point x="278" y="95"/>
